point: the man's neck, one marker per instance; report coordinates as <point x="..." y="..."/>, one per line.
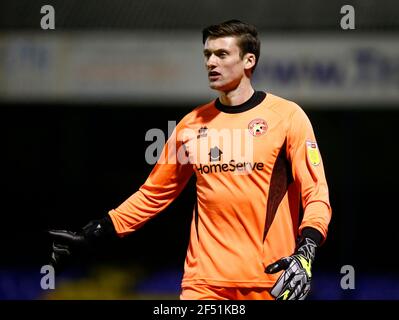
<point x="237" y="96"/>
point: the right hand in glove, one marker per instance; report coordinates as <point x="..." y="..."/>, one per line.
<point x="67" y="243"/>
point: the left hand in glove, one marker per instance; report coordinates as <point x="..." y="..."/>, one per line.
<point x="294" y="282"/>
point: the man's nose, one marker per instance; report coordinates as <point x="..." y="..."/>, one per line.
<point x="211" y="61"/>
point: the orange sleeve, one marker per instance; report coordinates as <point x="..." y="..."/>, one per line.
<point x="308" y="173"/>
<point x="163" y="185"/>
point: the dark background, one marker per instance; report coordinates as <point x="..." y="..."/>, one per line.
<point x="65" y="164"/>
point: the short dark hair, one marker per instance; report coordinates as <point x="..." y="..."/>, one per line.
<point x="247" y="35"/>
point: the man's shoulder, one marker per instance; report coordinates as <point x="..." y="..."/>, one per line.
<point x="282" y="106"/>
<point x="200" y="111"/>
<point x="209" y="106"/>
<point x="288" y="110"/>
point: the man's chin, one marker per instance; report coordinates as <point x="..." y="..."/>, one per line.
<point x="215" y="86"/>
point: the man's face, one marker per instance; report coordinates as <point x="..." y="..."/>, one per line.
<point x="223" y="62"/>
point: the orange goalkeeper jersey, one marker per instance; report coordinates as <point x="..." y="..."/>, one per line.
<point x="255" y="164"/>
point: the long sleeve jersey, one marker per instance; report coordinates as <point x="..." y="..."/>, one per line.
<point x="260" y="181"/>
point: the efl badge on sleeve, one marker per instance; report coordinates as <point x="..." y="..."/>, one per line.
<point x="313" y="152"/>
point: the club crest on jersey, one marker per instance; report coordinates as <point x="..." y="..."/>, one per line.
<point x="257" y="127"/>
<point x="313" y="152"/>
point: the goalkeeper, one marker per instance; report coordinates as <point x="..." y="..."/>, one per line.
<point x="248" y="239"/>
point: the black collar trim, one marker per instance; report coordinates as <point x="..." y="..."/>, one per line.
<point x="252" y="102"/>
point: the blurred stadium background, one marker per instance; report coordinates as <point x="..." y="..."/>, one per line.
<point x="76" y="102"/>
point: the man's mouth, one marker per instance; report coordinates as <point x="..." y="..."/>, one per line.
<point x="213" y="75"/>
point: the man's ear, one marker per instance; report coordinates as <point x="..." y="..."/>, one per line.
<point x="249" y="60"/>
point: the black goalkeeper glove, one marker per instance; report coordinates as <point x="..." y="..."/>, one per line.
<point x="67" y="243"/>
<point x="294" y="282"/>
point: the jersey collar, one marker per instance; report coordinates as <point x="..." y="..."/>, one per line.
<point x="257" y="98"/>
